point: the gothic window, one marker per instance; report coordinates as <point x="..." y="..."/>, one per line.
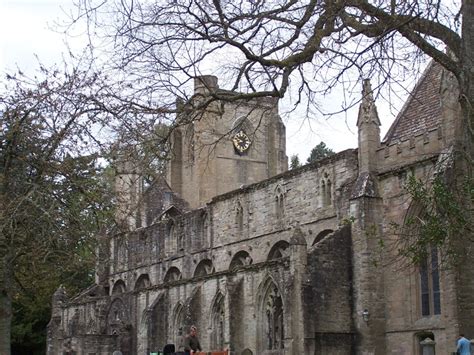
<point x="158" y="323"/>
<point x="279" y="203"/>
<point x="172" y="237"/>
<point x="121" y="251"/>
<point x="218" y="323"/>
<point x="239" y="217"/>
<point x="430" y="294"/>
<point x="204" y="268"/>
<point x="119" y="288"/>
<point x="279" y="250"/>
<point x="173" y="274"/>
<point x="242" y="258"/>
<point x="143" y="282"/>
<point x="117" y="316"/>
<point x="323" y="193"/>
<point x="178" y="324"/>
<point x="326" y="191"/>
<point x="273" y="324"/>
<point x="206" y="230"/>
<point x="180" y="241"/>
<point x="328" y="197"/>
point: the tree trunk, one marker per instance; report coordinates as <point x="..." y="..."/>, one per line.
<point x="467" y="77"/>
<point x="463" y="169"/>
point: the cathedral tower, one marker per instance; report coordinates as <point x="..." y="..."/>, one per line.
<point x="224" y="144"/>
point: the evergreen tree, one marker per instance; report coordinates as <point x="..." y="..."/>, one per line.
<point x="294" y="162"/>
<point x="319" y="152"/>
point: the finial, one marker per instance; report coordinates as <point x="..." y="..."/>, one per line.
<point x="367" y="110"/>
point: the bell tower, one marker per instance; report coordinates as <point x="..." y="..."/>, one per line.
<point x="224" y="144"/>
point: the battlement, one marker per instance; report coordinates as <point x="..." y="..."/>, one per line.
<point x="405" y="151"/>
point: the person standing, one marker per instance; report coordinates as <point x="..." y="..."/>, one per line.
<point x="463" y="346"/>
<point x="191" y="343"/>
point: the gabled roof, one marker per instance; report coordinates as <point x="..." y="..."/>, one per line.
<point x="422" y="110"/>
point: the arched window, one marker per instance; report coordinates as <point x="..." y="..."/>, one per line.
<point x="428" y="271"/>
<point x="158" y="323"/>
<point x="172" y="237"/>
<point x="271" y="318"/>
<point x="117" y="316"/>
<point x="180" y="241"/>
<point x="121" y="251"/>
<point x="204" y="268"/>
<point x="430" y="294"/>
<point x="173" y="274"/>
<point x="323" y="193"/>
<point x="328" y="197"/>
<point x="218" y="323"/>
<point x="205" y="229"/>
<point x="326" y="191"/>
<point x="179" y="326"/>
<point x="119" y="288"/>
<point x="242" y="258"/>
<point x="239" y="216"/>
<point x="142" y="282"/>
<point x="279" y="250"/>
<point x="279" y="203"/>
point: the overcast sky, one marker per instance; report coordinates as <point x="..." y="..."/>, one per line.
<point x="26" y="27"/>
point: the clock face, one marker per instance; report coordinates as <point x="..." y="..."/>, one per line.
<point x="241" y="142"/>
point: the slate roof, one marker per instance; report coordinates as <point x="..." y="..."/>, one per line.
<point x="422" y="110"/>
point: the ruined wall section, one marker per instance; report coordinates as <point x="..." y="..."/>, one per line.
<point x="242" y="219"/>
<point x="233" y="247"/>
<point x="328" y="295"/>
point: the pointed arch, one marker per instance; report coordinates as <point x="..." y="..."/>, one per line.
<point x="205" y="229"/>
<point x="279" y="194"/>
<point x="193" y="309"/>
<point x="205" y="267"/>
<point x="217" y="321"/>
<point x="328" y="196"/>
<point x="178" y="323"/>
<point x="243" y="123"/>
<point x="270" y="331"/>
<point x="279" y="250"/>
<point x="171" y="237"/>
<point x="239" y="215"/>
<point x="321" y="236"/>
<point x="326" y="190"/>
<point x="173" y="274"/>
<point x="143" y="282"/>
<point x="119" y="287"/>
<point x="157" y="320"/>
<point x="117" y="316"/>
<point x="241" y="258"/>
<point x="428" y="268"/>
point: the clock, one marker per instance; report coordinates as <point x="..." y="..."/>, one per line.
<point x="241" y="142"/>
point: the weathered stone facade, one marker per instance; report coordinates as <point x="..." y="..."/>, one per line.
<point x="265" y="261"/>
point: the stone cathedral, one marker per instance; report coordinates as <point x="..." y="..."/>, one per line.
<point x="269" y="261"/>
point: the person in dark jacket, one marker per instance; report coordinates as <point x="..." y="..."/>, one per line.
<point x="191" y="342"/>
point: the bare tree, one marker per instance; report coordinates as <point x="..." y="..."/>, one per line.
<point x="264" y="47"/>
<point x="57" y="131"/>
